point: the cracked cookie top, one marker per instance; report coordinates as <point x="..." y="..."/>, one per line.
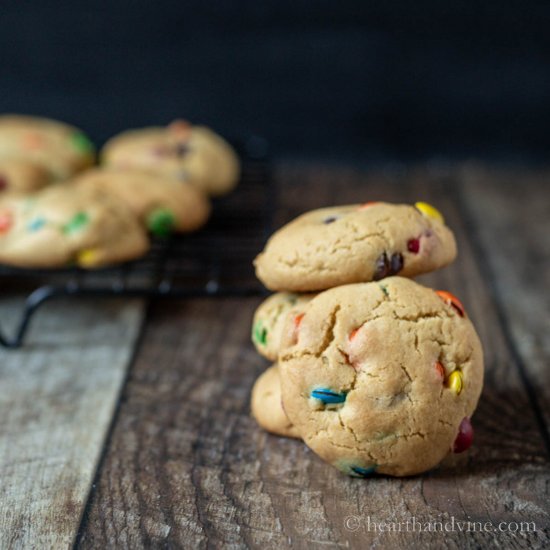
<point x="181" y="151"/>
<point x="359" y="243"/>
<point x="382" y="377"/>
<point x="269" y="319"/>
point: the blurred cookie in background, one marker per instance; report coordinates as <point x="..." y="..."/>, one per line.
<point x="180" y="151"/>
<point x="60" y="149"/>
<point x="164" y="205"/>
<point x="64" y="226"/>
<point x="18" y="175"/>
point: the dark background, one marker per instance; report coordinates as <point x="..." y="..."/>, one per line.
<point x="350" y="79"/>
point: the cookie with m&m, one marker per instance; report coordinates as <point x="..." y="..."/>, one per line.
<point x="266" y="405"/>
<point x="164" y="205"/>
<point x="180" y="151"/>
<point x="59" y="148"/>
<point x="382" y="377"/>
<point x="329" y="247"/>
<point x="269" y="319"/>
<point x="64" y="226"/>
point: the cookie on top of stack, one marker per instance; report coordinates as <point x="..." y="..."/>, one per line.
<point x="56" y="209"/>
<point x="377" y="374"/>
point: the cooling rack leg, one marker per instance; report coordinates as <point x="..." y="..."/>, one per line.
<point x="32" y="303"/>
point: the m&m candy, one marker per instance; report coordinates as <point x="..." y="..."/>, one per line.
<point x="465" y="436"/>
<point x="454" y="382"/>
<point x="367" y="204"/>
<point x="76" y="223"/>
<point x="87" y="257"/>
<point x="328" y="396"/>
<point x="440" y="370"/>
<point x="357" y="471"/>
<point x="161" y="222"/>
<point x="36" y="224"/>
<point x="452" y="300"/>
<point x="429" y="211"/>
<point x="259" y="334"/>
<point x="81" y="142"/>
<point x="6" y="221"/>
<point x="413" y="245"/>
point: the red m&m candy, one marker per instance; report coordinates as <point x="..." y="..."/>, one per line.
<point x="365" y="205"/>
<point x="413" y="245"/>
<point x="465" y="436"/>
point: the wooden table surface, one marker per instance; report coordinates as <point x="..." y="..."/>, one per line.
<point x="99" y="450"/>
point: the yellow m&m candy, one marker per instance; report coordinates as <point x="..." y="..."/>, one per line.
<point x="87" y="258"/>
<point x="429" y="211"/>
<point x="455" y="381"/>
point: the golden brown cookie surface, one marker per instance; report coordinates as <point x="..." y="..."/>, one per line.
<point x="22" y="176"/>
<point x="358" y="243"/>
<point x="60" y="148"/>
<point x="382" y="377"/>
<point x="180" y="151"/>
<point x="269" y="319"/>
<point x="266" y="404"/>
<point x="62" y="225"/>
<point x="163" y="204"/>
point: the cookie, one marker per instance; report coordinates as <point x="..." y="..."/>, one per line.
<point x="359" y="243"/>
<point x="61" y="149"/>
<point x="382" y="377"/>
<point x="191" y="153"/>
<point x="62" y="225"/>
<point x="267" y="407"/>
<point x="22" y="176"/>
<point x="269" y="319"/>
<point x="162" y="204"/>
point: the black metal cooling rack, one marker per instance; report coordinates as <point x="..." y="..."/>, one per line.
<point x="215" y="261"/>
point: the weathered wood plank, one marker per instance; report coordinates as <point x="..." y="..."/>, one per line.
<point x="510" y="217"/>
<point x="188" y="467"/>
<point x="57" y="399"/>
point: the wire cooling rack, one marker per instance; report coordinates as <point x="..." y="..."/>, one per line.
<point x="215" y="261"/>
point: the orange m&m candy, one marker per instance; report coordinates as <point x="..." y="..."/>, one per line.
<point x="452" y="300"/>
<point x="6" y="221"/>
<point x="440" y="369"/>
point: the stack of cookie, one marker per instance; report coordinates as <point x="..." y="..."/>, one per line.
<point x="374" y="372"/>
<point x="56" y="209"/>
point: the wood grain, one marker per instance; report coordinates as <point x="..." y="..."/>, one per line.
<point x="186" y="466"/>
<point x="57" y="400"/>
<point x="510" y="216"/>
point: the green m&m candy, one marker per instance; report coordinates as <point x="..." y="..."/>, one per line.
<point x="161" y="222"/>
<point x="76" y="223"/>
<point x="259" y="334"/>
<point x="82" y="143"/>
